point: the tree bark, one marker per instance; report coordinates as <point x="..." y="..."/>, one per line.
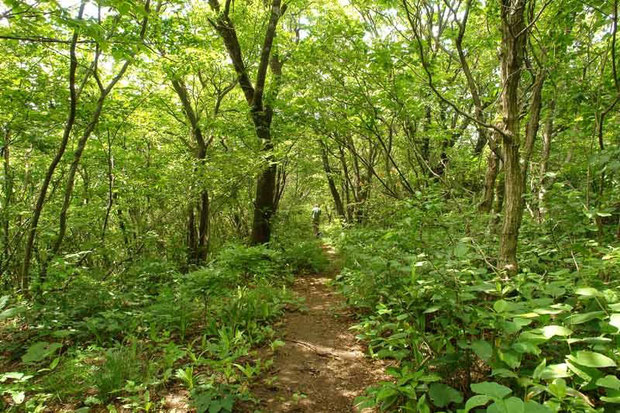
<point x="197" y="244"/>
<point x="264" y="206"/>
<point x="513" y="45"/>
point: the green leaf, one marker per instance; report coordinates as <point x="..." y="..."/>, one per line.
<point x="504" y="373"/>
<point x="17" y="396"/>
<point x="442" y="395"/>
<point x="483" y="349"/>
<point x="40" y="351"/>
<point x="554" y="371"/>
<point x="539" y="369"/>
<point x="432" y="309"/>
<point x="460" y="250"/>
<point x="586" y="373"/>
<point x="511" y="405"/>
<point x="501" y="306"/>
<point x="533" y="407"/>
<point x="515" y="405"/>
<point x="614" y="320"/>
<point x="588" y="292"/>
<point x="592" y="359"/>
<point x="558" y="388"/>
<point x="476" y="401"/>
<point x="585" y="317"/>
<point x="491" y="389"/>
<point x="609" y="382"/>
<point x="525" y="347"/>
<point x="511" y="358"/>
<point x="552" y="331"/>
<point x="9" y="313"/>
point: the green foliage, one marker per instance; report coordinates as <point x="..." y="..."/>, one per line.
<point x="129" y="337"/>
<point x="119" y="366"/>
<point x="384" y="112"/>
<point x="40" y="351"/>
<point x="549" y="337"/>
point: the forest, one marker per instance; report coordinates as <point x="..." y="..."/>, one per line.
<point x="310" y="206"/>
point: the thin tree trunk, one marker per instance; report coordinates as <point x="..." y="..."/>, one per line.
<point x="77" y="157"/>
<point x="108" y="209"/>
<point x="332" y="185"/>
<point x="203" y="228"/>
<point x="197" y="245"/>
<point x="544" y="161"/>
<point x="489" y="182"/>
<point x="280" y="185"/>
<point x="104" y="93"/>
<point x="8" y="192"/>
<point x="36" y="215"/>
<point x="192" y="243"/>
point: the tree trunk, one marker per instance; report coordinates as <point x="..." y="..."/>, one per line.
<point x="8" y="192"/>
<point x="108" y="210"/>
<point x="544" y="161"/>
<point x="489" y="182"/>
<point x="192" y="244"/>
<point x="77" y="157"/>
<point x="332" y="185"/>
<point x="203" y="228"/>
<point x="197" y="243"/>
<point x="513" y="45"/>
<point x="38" y="208"/>
<point x="264" y="207"/>
<point x="262" y="113"/>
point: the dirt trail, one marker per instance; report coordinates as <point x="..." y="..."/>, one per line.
<point x="322" y="367"/>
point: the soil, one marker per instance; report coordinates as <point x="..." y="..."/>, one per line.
<point x="322" y="367"/>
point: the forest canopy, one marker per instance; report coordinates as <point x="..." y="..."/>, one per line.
<point x="161" y="159"/>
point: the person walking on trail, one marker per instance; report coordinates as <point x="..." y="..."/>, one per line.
<point x="316" y="218"/>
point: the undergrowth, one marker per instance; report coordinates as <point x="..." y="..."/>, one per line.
<point x="127" y="341"/>
<point x="464" y="337"/>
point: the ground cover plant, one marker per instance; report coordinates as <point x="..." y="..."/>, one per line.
<point x="125" y="343"/>
<point x="465" y="337"/>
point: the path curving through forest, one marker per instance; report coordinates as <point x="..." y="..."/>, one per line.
<point x="322" y="367"/>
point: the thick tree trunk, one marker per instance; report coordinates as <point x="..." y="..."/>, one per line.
<point x="513" y="45"/>
<point x="264" y="207"/>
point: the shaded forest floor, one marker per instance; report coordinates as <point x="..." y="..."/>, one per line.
<point x="322" y="367"/>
